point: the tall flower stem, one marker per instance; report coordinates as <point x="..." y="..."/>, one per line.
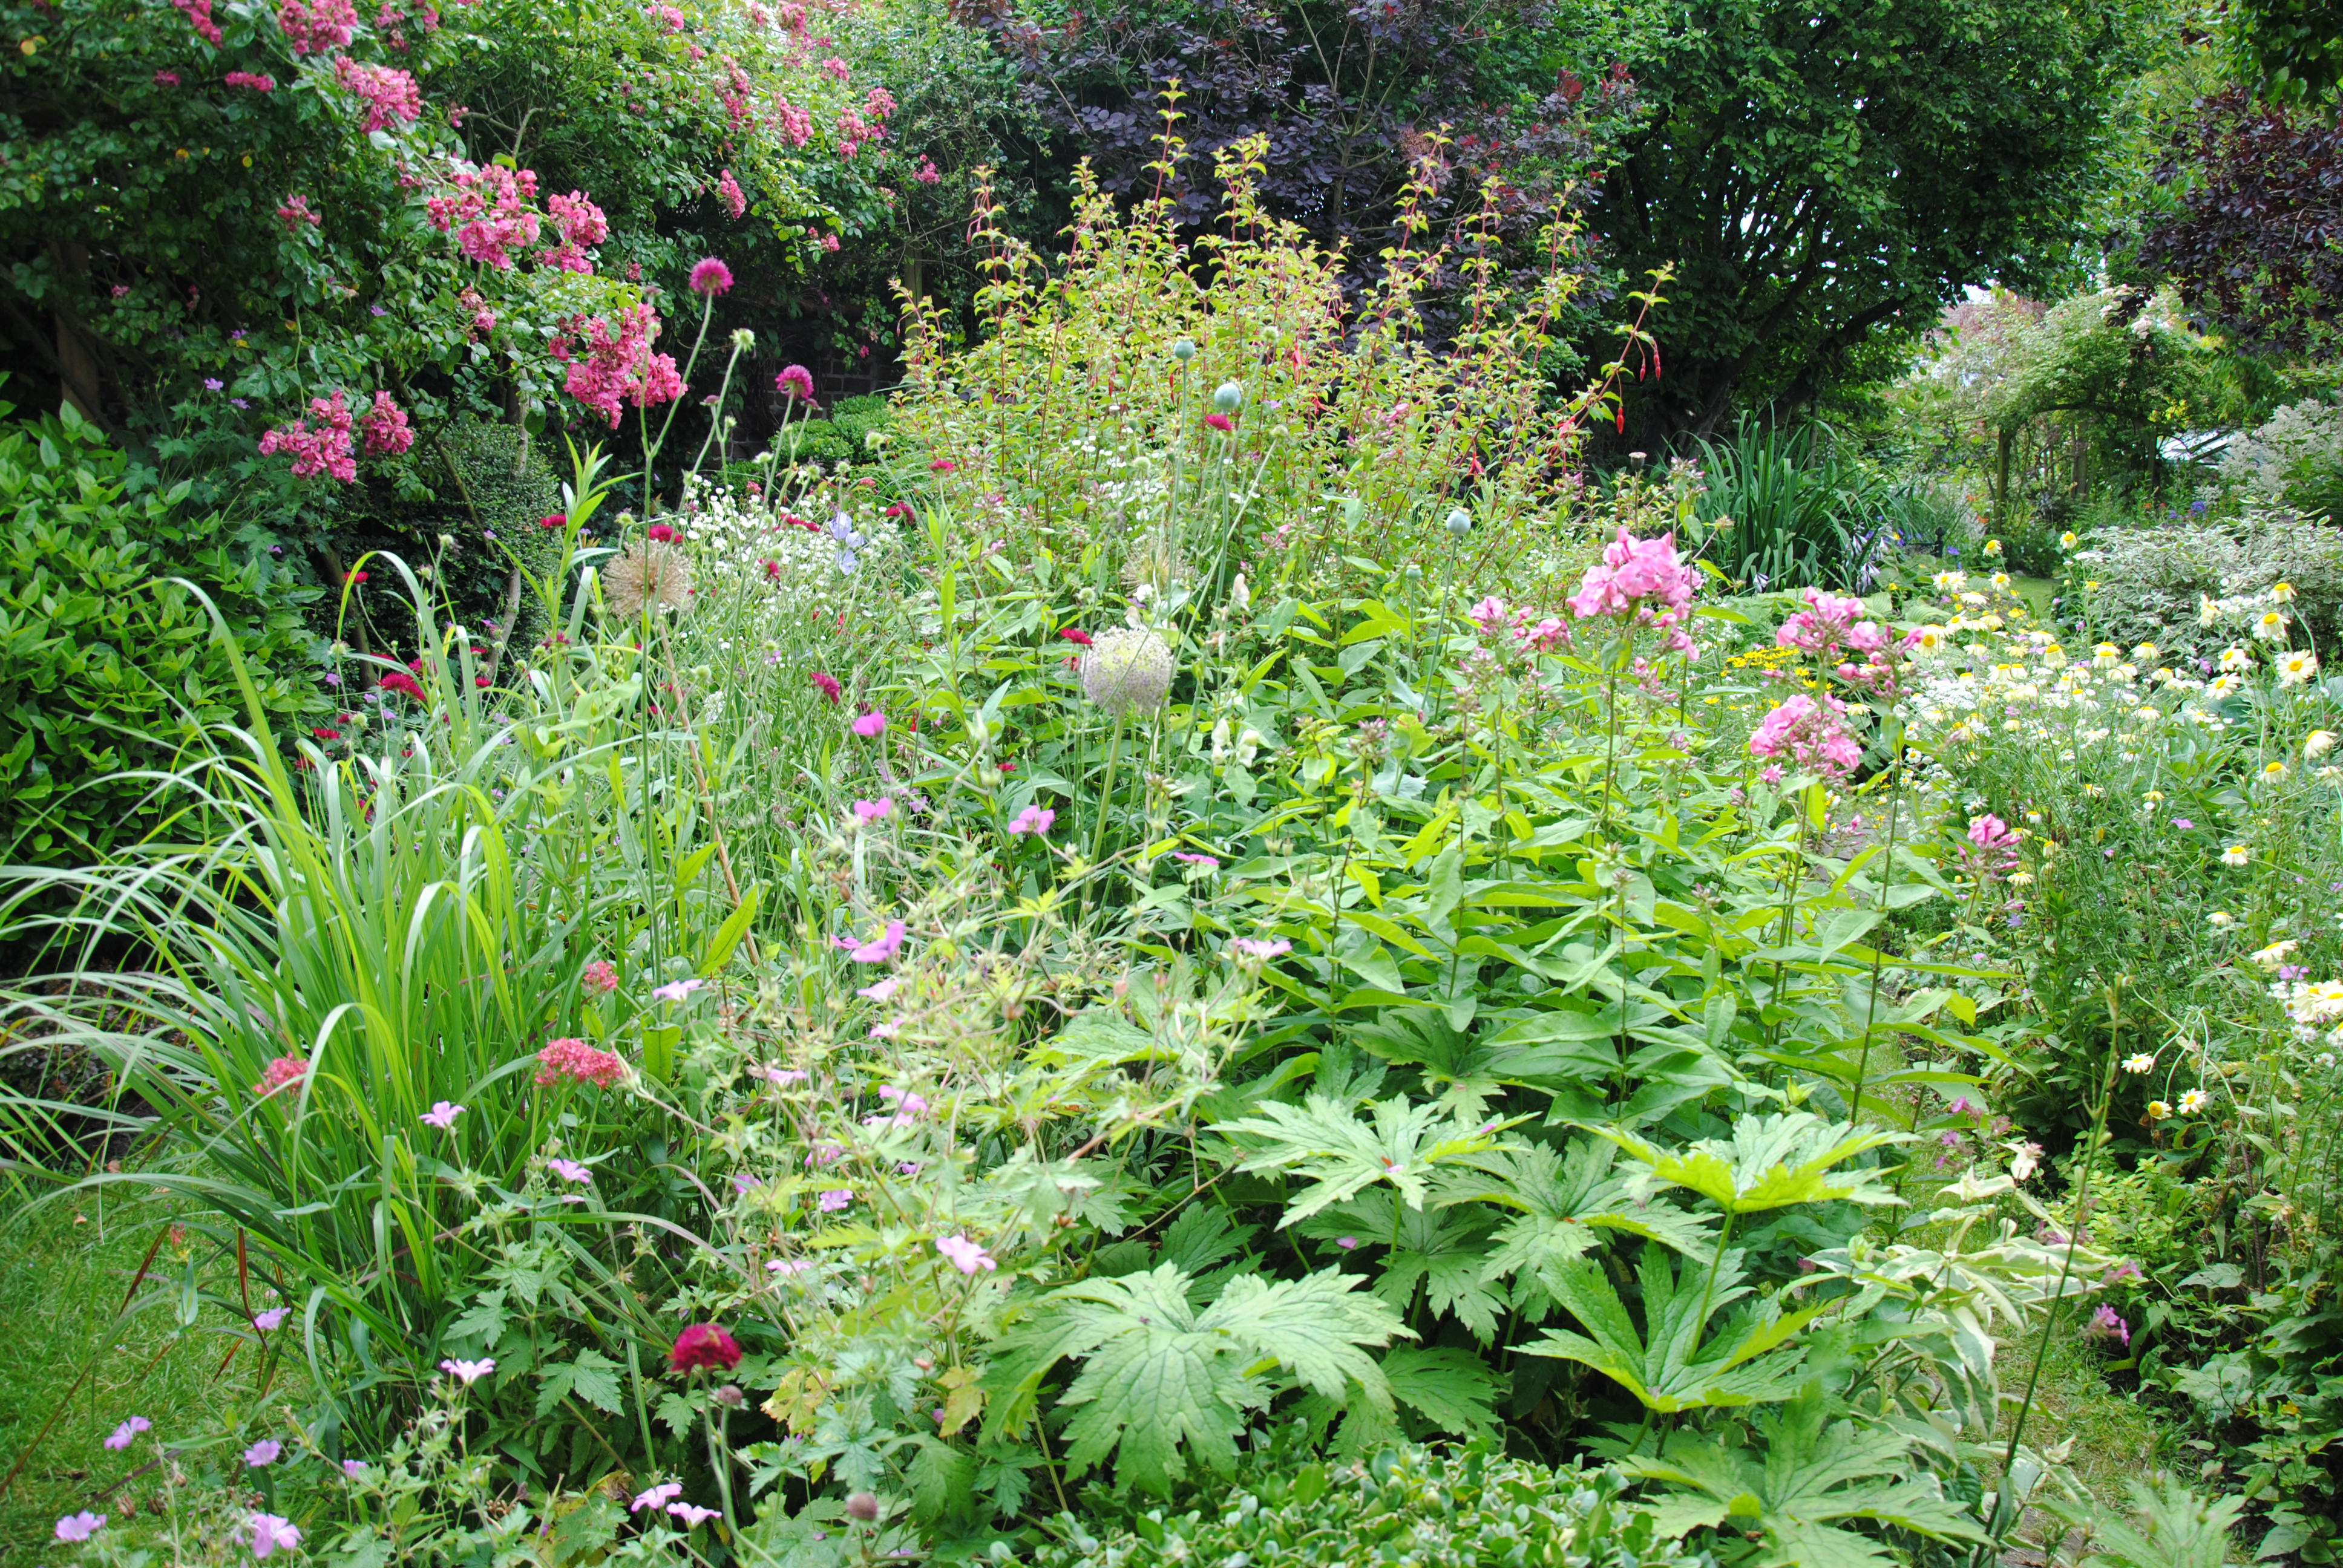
<point x="1106" y="788"/>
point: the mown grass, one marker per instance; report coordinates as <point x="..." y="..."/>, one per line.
<point x="2107" y="1438"/>
<point x="75" y="1363"/>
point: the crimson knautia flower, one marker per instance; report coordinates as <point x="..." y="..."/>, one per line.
<point x="442" y="1114"/>
<point x="711" y="277"/>
<point x="1033" y="819"/>
<point x="871" y="725"/>
<point x="659" y="534"/>
<point x="704" y="1345"/>
<point x="399" y="680"/>
<point x="878" y="948"/>
<point x="553" y="520"/>
<point x="827" y="684"/>
<point x="1080" y="638"/>
<point x="797" y="381"/>
<point x="469" y="1373"/>
<point x="271" y="1531"/>
<point x="964" y="1254"/>
<point x="572" y="1061"/>
<point x="942" y="466"/>
<point x="80" y="1526"/>
<point x="1221" y="423"/>
<point x="127" y="1433"/>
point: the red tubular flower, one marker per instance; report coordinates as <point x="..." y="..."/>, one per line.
<point x="704" y="1345"/>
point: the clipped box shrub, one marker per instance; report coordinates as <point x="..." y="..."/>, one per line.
<point x="104" y="665"/>
<point x="1425" y="1507"/>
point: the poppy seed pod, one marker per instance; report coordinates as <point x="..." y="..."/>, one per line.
<point x="1183" y="350"/>
<point x="1228" y="396"/>
<point x="1127" y="669"/>
<point x="1460" y="522"/>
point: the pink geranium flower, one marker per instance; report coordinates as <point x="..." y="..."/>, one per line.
<point x="871" y="725"/>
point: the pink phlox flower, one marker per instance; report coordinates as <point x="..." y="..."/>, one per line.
<point x="572" y="1061"/>
<point x="385" y="428"/>
<point x="657" y="1497"/>
<point x="871" y="725"/>
<point x="873" y="810"/>
<point x="1034" y="819"/>
<point x="878" y="948"/>
<point x="270" y="1531"/>
<point x="127" y="1433"/>
<point x="679" y="991"/>
<point x="390" y="96"/>
<point x="965" y="1255"/>
<point x="1809" y="731"/>
<point x="1489" y="613"/>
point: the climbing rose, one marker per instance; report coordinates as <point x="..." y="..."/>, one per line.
<point x="385" y="428"/>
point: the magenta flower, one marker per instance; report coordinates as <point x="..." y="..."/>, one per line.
<point x="871" y="725"/>
<point x="270" y="1531"/>
<point x="657" y="1497"/>
<point x="827" y="684"/>
<point x="879" y="990"/>
<point x="1990" y="832"/>
<point x="711" y="277"/>
<point x="80" y="1526"/>
<point x="1209" y="862"/>
<point x="1033" y="819"/>
<point x="263" y="1453"/>
<point x="704" y="1347"/>
<point x="569" y="1170"/>
<point x="911" y="1104"/>
<point x="872" y="810"/>
<point x="2105" y="1325"/>
<point x="964" y="1254"/>
<point x="691" y="1513"/>
<point x="797" y="381"/>
<point x="127" y="1433"/>
<point x="837" y="1198"/>
<point x="1220" y="422"/>
<point x="878" y="948"/>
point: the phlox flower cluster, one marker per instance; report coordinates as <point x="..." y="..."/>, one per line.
<point x="1810" y="731"/>
<point x="390" y="96"/>
<point x="1529" y="630"/>
<point x="1642" y="580"/>
<point x="1990" y="850"/>
<point x="326" y="451"/>
<point x="1833" y="628"/>
<point x="317" y="28"/>
<point x="571" y="1060"/>
<point x="618" y="366"/>
<point x="488" y="213"/>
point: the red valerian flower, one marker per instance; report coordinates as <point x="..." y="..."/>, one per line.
<point x="571" y="1060"/>
<point x="704" y="1345"/>
<point x="1073" y="636"/>
<point x="280" y="1071"/>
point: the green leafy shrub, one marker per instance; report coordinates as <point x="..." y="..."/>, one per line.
<point x="2293" y="458"/>
<point x="2149" y="585"/>
<point x="105" y="668"/>
<point x="1441" y="1507"/>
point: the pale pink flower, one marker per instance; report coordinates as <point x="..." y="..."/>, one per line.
<point x="878" y="948"/>
<point x="270" y="1531"/>
<point x="469" y="1373"/>
<point x="964" y="1254"/>
<point x="657" y="1497"/>
<point x="1033" y="819"/>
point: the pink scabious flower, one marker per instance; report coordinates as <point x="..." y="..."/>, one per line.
<point x="1033" y="819"/>
<point x="199" y="18"/>
<point x="871" y="725"/>
<point x="572" y="1061"/>
<point x="964" y="1254"/>
<point x="390" y="96"/>
<point x="319" y="28"/>
<point x="280" y="1071"/>
<point x="711" y="277"/>
<point x="246" y="79"/>
<point x="878" y="948"/>
<point x="488" y="213"/>
<point x="127" y="1433"/>
<point x="1810" y="732"/>
<point x="327" y="451"/>
<point x="599" y="978"/>
<point x="827" y="684"/>
<point x="727" y="190"/>
<point x="385" y="428"/>
<point x="619" y="367"/>
<point x="797" y="381"/>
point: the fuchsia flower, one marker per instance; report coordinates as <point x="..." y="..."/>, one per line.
<point x="873" y="810"/>
<point x="572" y="1061"/>
<point x="711" y="277"/>
<point x="797" y="381"/>
<point x="1811" y="732"/>
<point x="1220" y="422"/>
<point x="127" y="1433"/>
<point x="2105" y="1325"/>
<point x="964" y="1254"/>
<point x="1033" y="819"/>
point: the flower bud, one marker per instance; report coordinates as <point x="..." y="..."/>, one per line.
<point x="862" y="1505"/>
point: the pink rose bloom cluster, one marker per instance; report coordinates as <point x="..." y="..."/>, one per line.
<point x="389" y="94"/>
<point x="297" y="210"/>
<point x="1813" y="733"/>
<point x="581" y="224"/>
<point x="317" y="29"/>
<point x="385" y="428"/>
<point x="199" y="18"/>
<point x="1644" y="580"/>
<point x="575" y="1061"/>
<point x="325" y="451"/>
<point x="727" y="190"/>
<point x="792" y="122"/>
<point x="489" y="213"/>
<point x="619" y="367"/>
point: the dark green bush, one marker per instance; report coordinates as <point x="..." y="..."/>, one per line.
<point x="104" y="667"/>
<point x="1428" y="1508"/>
